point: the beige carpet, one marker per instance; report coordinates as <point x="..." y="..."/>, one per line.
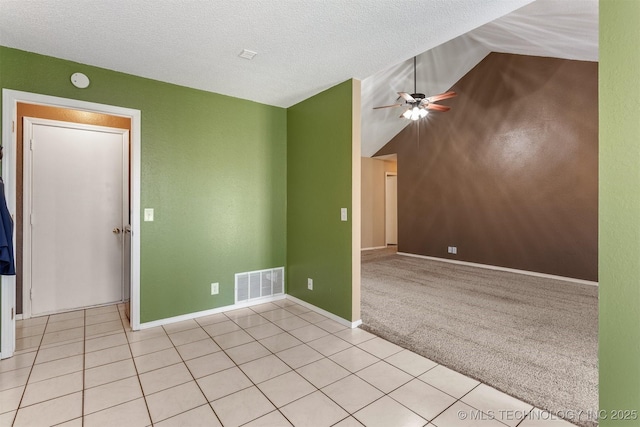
<point x="533" y="338"/>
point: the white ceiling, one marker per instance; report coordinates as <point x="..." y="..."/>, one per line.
<point x="304" y="46"/>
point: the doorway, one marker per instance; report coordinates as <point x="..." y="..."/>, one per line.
<point x="75" y="215"/>
<point x="12" y="176"/>
<point x="391" y="209"/>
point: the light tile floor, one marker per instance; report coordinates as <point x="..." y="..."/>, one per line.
<point x="274" y="364"/>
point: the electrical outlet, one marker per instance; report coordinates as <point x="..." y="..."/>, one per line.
<point x="215" y="288"/>
<point x="310" y="284"/>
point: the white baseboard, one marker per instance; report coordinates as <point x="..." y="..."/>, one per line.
<point x="509" y="270"/>
<point x="189" y="316"/>
<point x="373" y="248"/>
<point x="197" y="314"/>
<point x="325" y="313"/>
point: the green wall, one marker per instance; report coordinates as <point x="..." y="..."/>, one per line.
<point x="319" y="144"/>
<point x="619" y="262"/>
<point x="213" y="168"/>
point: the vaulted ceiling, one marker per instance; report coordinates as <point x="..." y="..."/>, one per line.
<point x="565" y="29"/>
<point x="303" y="46"/>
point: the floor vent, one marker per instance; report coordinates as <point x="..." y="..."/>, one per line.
<point x="254" y="285"/>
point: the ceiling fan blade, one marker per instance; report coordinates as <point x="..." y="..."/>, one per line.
<point x="406" y="96"/>
<point x="442" y="96"/>
<point x="437" y="107"/>
<point x="387" y="106"/>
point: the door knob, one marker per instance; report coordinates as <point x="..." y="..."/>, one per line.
<point x="116" y="230"/>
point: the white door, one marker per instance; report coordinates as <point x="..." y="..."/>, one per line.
<point x="391" y="210"/>
<point x="76" y="204"/>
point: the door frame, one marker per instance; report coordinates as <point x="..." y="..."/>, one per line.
<point x="10" y="100"/>
<point x="28" y="169"/>
<point x="386" y="200"/>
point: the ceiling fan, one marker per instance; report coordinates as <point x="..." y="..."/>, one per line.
<point x="418" y="105"/>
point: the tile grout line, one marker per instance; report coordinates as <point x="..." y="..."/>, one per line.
<point x="349" y="414"/>
<point x="110" y="382"/>
<point x="184" y="362"/>
<point x="317" y="389"/>
<point x="457" y="399"/>
<point x="39" y="348"/>
<point x="387" y="394"/>
<point x="84" y="339"/>
<point x="133" y="361"/>
<point x="402" y="385"/>
<point x="238" y="366"/>
<point x="210" y="337"/>
<point x="272" y="354"/>
<point x="33" y="364"/>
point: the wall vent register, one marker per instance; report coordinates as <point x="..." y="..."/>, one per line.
<point x="254" y="285"/>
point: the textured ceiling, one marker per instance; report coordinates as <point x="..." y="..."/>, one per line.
<point x="304" y="46"/>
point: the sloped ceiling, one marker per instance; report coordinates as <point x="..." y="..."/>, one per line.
<point x="565" y="29"/>
<point x="303" y="46"/>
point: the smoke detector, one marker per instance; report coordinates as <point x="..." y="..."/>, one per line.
<point x="247" y="54"/>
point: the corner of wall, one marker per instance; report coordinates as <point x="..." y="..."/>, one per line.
<point x="356" y="200"/>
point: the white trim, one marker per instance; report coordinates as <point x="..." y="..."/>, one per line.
<point x="8" y="342"/>
<point x="189" y="316"/>
<point x="509" y="270"/>
<point x="373" y="248"/>
<point x="356" y="198"/>
<point x="7" y="283"/>
<point x="10" y="99"/>
<point x="325" y="313"/>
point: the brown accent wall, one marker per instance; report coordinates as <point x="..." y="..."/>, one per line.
<point x="510" y="174"/>
<point x="51" y="113"/>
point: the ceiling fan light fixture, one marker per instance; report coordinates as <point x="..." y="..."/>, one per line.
<point x="418" y="104"/>
<point x="415" y="113"/>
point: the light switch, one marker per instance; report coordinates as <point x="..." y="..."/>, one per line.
<point x="343" y="214"/>
<point x="148" y="214"/>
